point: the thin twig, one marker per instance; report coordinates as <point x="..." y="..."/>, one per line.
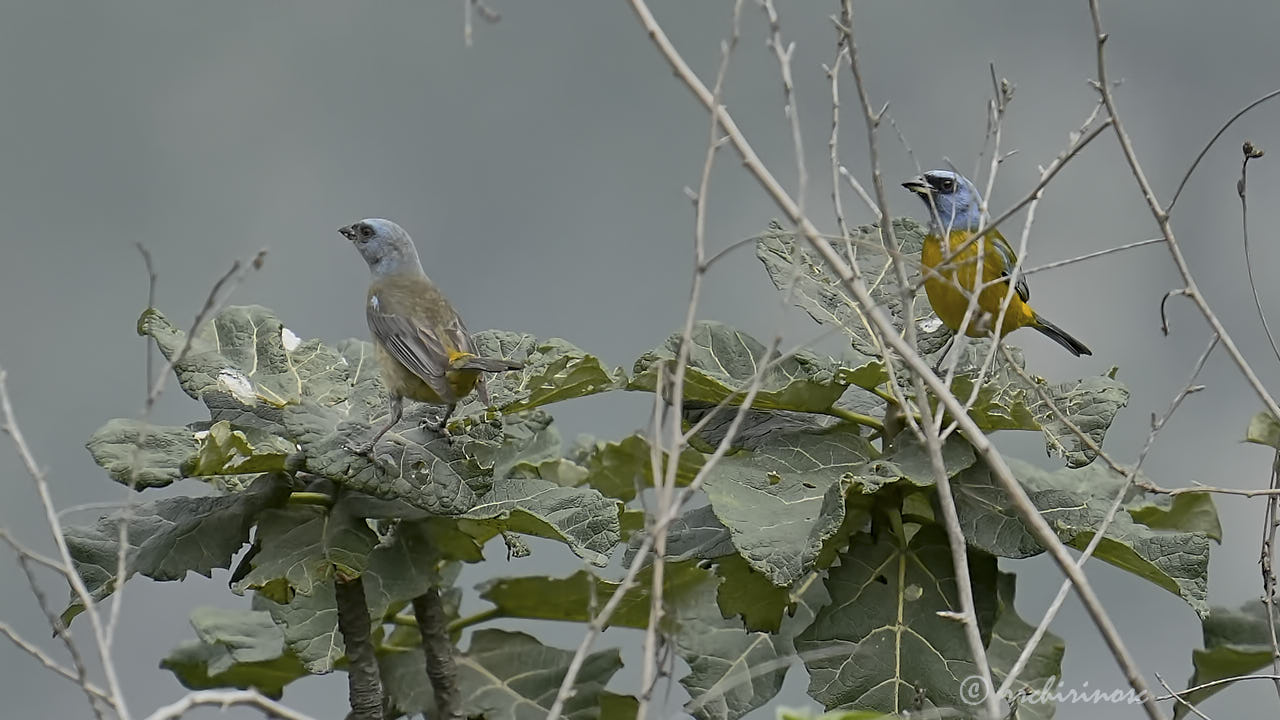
<point x="44" y="659"/>
<point x="1205" y="150"/>
<point x="224" y="699"/>
<point x="78" y="587"/>
<point x="1252" y="153"/>
<point x="1180" y="700"/>
<point x="1091" y="256"/>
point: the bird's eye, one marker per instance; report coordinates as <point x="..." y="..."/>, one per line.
<point x="947" y="185"/>
<point x="366" y="232"/>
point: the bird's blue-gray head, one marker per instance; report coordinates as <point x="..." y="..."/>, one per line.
<point x="953" y="202"/>
<point x="384" y="245"/>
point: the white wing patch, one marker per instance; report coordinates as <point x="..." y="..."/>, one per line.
<point x="373" y="301"/>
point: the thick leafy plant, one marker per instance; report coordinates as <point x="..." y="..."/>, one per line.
<point x="816" y="540"/>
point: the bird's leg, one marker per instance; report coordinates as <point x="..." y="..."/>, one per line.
<point x="397" y="409"/>
<point x="442" y="427"/>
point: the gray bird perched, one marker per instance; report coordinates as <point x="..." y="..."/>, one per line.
<point x="424" y="351"/>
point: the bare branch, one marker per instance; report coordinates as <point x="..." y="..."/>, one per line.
<point x="1205" y="150"/>
<point x="224" y="699"/>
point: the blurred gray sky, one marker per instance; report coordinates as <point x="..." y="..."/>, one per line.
<point x="541" y="172"/>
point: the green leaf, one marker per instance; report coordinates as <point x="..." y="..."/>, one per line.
<point x="621" y="707"/>
<point x="750" y="595"/>
<point x="797" y="270"/>
<point x="617" y="469"/>
<point x="731" y="671"/>
<point x="581" y="518"/>
<point x="405" y="682"/>
<point x="696" y="535"/>
<point x="169" y="537"/>
<point x="573" y="599"/>
<point x="908" y="461"/>
<point x="789" y="714"/>
<point x="723" y="361"/>
<point x="1177" y="561"/>
<point x="554" y="370"/>
<point x="1005" y="401"/>
<point x="237" y="648"/>
<point x="782" y="501"/>
<point x="241" y="636"/>
<point x="140" y="455"/>
<point x="310" y="625"/>
<point x="402" y="567"/>
<point x="1264" y="429"/>
<point x="412" y="463"/>
<point x="245" y="353"/>
<point x="510" y="675"/>
<point x="224" y="450"/>
<point x="1009" y="636"/>
<point x="1236" y="642"/>
<point x="1090" y="404"/>
<point x="302" y="545"/>
<point x="884" y="639"/>
<point x="756" y="428"/>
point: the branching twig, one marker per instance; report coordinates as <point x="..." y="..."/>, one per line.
<point x="225" y="699"/>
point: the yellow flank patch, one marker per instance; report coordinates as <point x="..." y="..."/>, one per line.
<point x="455" y="356"/>
<point x="978" y="267"/>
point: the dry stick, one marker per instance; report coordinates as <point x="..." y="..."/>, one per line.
<point x="1252" y="153"/>
<point x="933" y="442"/>
<point x="1268" y="551"/>
<point x="45" y="659"/>
<point x="1129" y="477"/>
<point x="62" y="632"/>
<point x="81" y="591"/>
<point x="441" y="668"/>
<point x="981" y="443"/>
<point x="1205" y="150"/>
<point x="224" y="699"/>
<point x="1091" y="256"/>
<point x="1180" y="700"/>
<point x="666" y="485"/>
<point x="1214" y="683"/>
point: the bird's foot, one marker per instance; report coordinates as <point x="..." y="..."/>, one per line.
<point x="365" y="449"/>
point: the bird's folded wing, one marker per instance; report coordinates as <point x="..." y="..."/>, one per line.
<point x="420" y="349"/>
<point x="1009" y="259"/>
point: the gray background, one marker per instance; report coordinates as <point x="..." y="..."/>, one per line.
<point x="541" y="172"/>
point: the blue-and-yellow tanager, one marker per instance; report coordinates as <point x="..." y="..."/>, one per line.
<point x="423" y="350"/>
<point x="951" y="268"/>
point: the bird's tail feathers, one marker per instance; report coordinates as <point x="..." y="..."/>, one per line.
<point x="1060" y="336"/>
<point x="467" y="361"/>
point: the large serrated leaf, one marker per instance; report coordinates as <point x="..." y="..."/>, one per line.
<point x="732" y="671"/>
<point x="140" y="455"/>
<point x="224" y="450"/>
<point x="908" y="461"/>
<point x="169" y="538"/>
<point x="619" y="469"/>
<point x="554" y="370"/>
<point x="1236" y="642"/>
<point x="237" y="648"/>
<point x="812" y="285"/>
<point x="511" y="676"/>
<point x="723" y="361"/>
<point x="247" y="353"/>
<point x="882" y="642"/>
<point x="1175" y="560"/>
<point x="581" y="518"/>
<point x="1005" y="401"/>
<point x="310" y="626"/>
<point x="303" y="545"/>
<point x="785" y="498"/>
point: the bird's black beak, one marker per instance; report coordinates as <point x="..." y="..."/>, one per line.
<point x="918" y="186"/>
<point x="348" y="232"/>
